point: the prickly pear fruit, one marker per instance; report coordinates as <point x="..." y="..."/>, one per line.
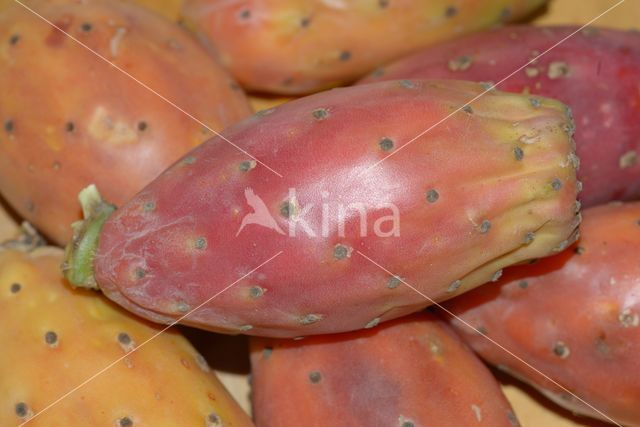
<point x="412" y="371"/>
<point x="55" y="337"/>
<point x="69" y="119"/>
<point x="297" y="47"/>
<point x="575" y="317"/>
<point x="491" y="186"/>
<point x="595" y="71"/>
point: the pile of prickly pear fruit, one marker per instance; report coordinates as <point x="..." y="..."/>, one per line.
<point x="443" y="228"/>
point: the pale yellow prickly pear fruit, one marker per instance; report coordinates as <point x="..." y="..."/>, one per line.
<point x="53" y="338"/>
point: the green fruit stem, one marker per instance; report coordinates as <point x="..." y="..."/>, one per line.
<point x="80" y="252"/>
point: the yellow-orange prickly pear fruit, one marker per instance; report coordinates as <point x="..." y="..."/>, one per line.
<point x="54" y="337"/>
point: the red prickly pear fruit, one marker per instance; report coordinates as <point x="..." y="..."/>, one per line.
<point x="69" y="119"/>
<point x="491" y="186"/>
<point x="412" y="371"/>
<point x="575" y="317"/>
<point x="299" y="47"/>
<point x="595" y="72"/>
<point x="54" y="338"/>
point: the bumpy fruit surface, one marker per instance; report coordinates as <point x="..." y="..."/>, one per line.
<point x="595" y="72"/>
<point x="412" y="371"/>
<point x="574" y="316"/>
<point x="491" y="186"/>
<point x="54" y="337"/>
<point x="69" y="119"/>
<point x="302" y="46"/>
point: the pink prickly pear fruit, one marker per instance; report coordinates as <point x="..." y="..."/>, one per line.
<point x="69" y="119"/>
<point x="491" y="186"/>
<point x="408" y="372"/>
<point x="299" y="47"/>
<point x="575" y="317"/>
<point x="595" y="72"/>
<point x="54" y="338"/>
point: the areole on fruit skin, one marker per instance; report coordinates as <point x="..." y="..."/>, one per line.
<point x="491" y="210"/>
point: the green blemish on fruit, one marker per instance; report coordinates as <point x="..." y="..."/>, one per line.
<point x="496" y="276"/>
<point x="561" y="350"/>
<point x="394" y="282"/>
<point x="407" y="84"/>
<point x="14" y="39"/>
<point x="454" y="286"/>
<point x="213" y="420"/>
<point x="513" y="419"/>
<point x="535" y="102"/>
<point x="523" y="284"/>
<point x="245" y="328"/>
<point x="266" y="352"/>
<point x="386" y="144"/>
<point x="310" y="319"/>
<point x="629" y="318"/>
<point x="15" y="288"/>
<point x="320" y="114"/>
<point x="341" y="252"/>
<point x="182" y="307"/>
<point x="467" y="109"/>
<point x="125" y="422"/>
<point x="256" y="291"/>
<point x="149" y="206"/>
<point x="485" y="226"/>
<point x="125" y="342"/>
<point x="247" y="165"/>
<point x="23" y="411"/>
<point x="518" y="153"/>
<point x="460" y="63"/>
<point x="8" y="126"/>
<point x="80" y="252"/>
<point x="372" y="323"/>
<point x="432" y="195"/>
<point x="556" y="184"/>
<point x="315" y="377"/>
<point x="200" y="243"/>
<point x="407" y="424"/>
<point x="51" y="338"/>
<point x="529" y="237"/>
<point x="139" y="273"/>
<point x="189" y="160"/>
<point x="287" y="209"/>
